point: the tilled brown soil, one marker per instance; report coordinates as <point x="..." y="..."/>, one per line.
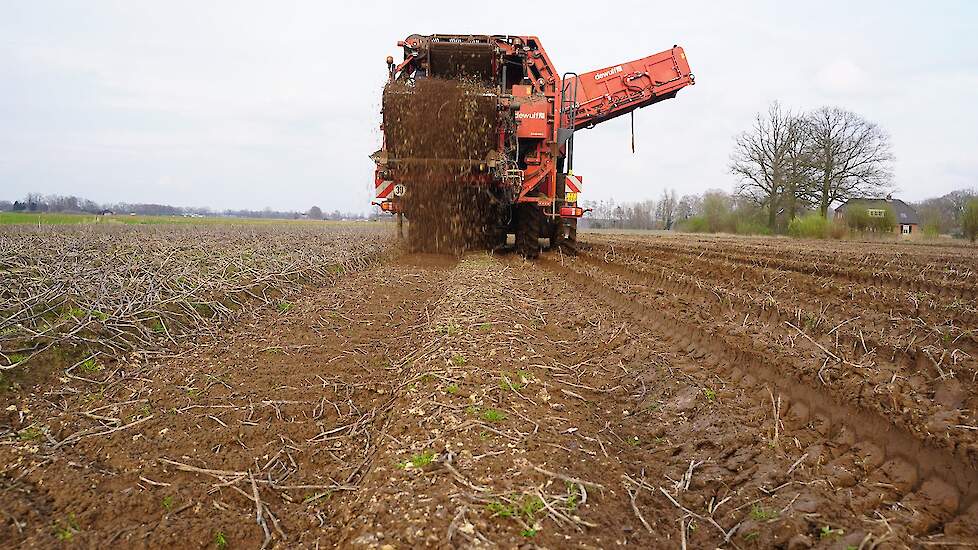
<point x="651" y="392"/>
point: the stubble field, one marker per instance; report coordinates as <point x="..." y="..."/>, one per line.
<point x="319" y="386"/>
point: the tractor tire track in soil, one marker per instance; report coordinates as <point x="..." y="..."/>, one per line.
<point x="488" y="401"/>
<point x="826" y="264"/>
<point x="935" y="473"/>
<point x="859" y="361"/>
<point x="889" y="342"/>
<point x="765" y="275"/>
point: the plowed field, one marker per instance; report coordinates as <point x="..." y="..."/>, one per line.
<point x="652" y="392"/>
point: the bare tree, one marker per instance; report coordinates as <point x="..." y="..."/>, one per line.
<point x="620" y="214"/>
<point x="850" y="157"/>
<point x="688" y="206"/>
<point x="665" y="212"/>
<point x="799" y="176"/>
<point x="958" y="202"/>
<point x="35" y="202"/>
<point x="763" y="159"/>
<point x="315" y="213"/>
<point x="640" y="215"/>
<point x="943" y="214"/>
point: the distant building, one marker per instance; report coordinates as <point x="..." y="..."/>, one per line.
<point x="907" y="220"/>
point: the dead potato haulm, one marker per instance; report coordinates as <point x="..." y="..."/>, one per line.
<point x="302" y="386"/>
<point x="115" y="290"/>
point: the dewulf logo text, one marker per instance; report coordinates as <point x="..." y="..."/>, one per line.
<point x="609" y="72"/>
<point x="539" y="116"/>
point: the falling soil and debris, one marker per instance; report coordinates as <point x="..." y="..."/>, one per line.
<point x="441" y="134"/>
<point x="697" y="392"/>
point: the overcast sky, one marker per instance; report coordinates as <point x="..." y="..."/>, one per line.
<point x="246" y="105"/>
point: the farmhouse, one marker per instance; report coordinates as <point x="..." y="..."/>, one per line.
<point x="907" y="220"/>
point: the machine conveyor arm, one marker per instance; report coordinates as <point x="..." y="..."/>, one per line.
<point x="620" y="89"/>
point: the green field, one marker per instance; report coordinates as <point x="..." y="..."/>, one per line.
<point x="35" y="218"/>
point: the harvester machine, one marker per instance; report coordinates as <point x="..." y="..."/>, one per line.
<point x="503" y="129"/>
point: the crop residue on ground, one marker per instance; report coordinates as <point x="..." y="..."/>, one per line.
<point x="676" y="389"/>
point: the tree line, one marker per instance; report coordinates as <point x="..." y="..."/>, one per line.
<point x="717" y="211"/>
<point x="791" y="170"/>
<point x="36" y="202"/>
<point x="787" y="164"/>
<point x="712" y="211"/>
<point x="647" y="214"/>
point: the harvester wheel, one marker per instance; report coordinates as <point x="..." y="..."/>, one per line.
<point x="497" y="221"/>
<point x="555" y="231"/>
<point x="528" y="225"/>
<point x="495" y="236"/>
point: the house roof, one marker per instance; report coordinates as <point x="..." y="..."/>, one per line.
<point x="904" y="212"/>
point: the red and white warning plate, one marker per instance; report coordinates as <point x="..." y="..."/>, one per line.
<point x="573" y="184"/>
<point x="384" y="188"/>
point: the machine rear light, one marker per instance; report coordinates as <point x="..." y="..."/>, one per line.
<point x="571" y="212"/>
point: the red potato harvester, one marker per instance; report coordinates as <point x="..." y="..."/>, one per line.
<point x="527" y="167"/>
